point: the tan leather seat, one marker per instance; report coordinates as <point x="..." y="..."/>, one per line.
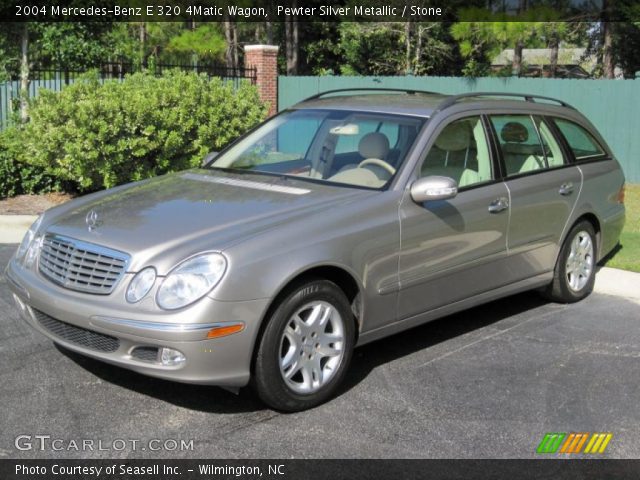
<point x="455" y="140"/>
<point x="372" y="146"/>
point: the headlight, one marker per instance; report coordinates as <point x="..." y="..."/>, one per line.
<point x="28" y="238"/>
<point x="141" y="284"/>
<point x="191" y="280"/>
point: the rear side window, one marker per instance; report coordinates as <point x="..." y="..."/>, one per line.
<point x="522" y="149"/>
<point x="581" y="142"/>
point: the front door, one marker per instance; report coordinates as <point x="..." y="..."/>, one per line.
<point x="454" y="249"/>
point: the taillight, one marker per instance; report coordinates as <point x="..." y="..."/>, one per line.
<point x="620" y="196"/>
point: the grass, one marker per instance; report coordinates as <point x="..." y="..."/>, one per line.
<point x="628" y="256"/>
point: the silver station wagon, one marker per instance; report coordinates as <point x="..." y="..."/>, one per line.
<point x="342" y="220"/>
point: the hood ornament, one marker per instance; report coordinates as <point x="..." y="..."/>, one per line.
<point x="92" y="220"/>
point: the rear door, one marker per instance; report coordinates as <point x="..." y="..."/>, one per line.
<point x="543" y="189"/>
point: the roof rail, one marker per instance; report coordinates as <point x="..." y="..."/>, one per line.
<point x="452" y="100"/>
<point x="408" y="91"/>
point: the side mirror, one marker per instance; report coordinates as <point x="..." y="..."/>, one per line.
<point x="208" y="157"/>
<point x="433" y="188"/>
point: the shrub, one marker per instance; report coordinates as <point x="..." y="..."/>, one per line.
<point x="17" y="177"/>
<point x="102" y="135"/>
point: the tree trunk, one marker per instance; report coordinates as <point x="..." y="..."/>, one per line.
<point x="228" y="36"/>
<point x="269" y="29"/>
<point x="407" y="47"/>
<point x="24" y="73"/>
<point x="418" y="55"/>
<point x="234" y="34"/>
<point x="291" y="31"/>
<point x="608" y="66"/>
<point x="516" y="67"/>
<point x="142" y="37"/>
<point x="257" y="35"/>
<point x="554" y="47"/>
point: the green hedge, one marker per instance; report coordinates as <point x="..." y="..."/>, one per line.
<point x="17" y="177"/>
<point x="91" y="136"/>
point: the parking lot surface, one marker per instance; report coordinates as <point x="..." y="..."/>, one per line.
<point x="485" y="383"/>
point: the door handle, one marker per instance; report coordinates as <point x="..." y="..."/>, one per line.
<point x="566" y="189"/>
<point x="498" y="205"/>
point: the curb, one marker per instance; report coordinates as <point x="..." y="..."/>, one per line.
<point x="621" y="283"/>
<point x="13" y="227"/>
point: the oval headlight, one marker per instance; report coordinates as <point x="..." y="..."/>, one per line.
<point x="191" y="280"/>
<point x="141" y="284"/>
<point x="28" y="238"/>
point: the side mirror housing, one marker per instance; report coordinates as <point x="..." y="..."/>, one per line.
<point x="208" y="157"/>
<point x="433" y="188"/>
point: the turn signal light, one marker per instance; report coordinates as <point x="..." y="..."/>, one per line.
<point x="218" y="332"/>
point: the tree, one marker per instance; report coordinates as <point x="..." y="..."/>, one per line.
<point x="203" y="42"/>
<point x="292" y="41"/>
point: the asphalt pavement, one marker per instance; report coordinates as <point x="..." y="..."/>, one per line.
<point x="485" y="383"/>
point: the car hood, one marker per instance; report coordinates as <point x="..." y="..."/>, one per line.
<point x="180" y="214"/>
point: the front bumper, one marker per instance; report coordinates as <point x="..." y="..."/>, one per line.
<point x="88" y="324"/>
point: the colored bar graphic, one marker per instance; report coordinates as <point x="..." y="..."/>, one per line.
<point x="598" y="443"/>
<point x="550" y="442"/>
<point x="573" y="442"/>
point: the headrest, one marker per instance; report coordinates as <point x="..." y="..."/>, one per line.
<point x="454" y="137"/>
<point x="514" y="132"/>
<point x="374" y="145"/>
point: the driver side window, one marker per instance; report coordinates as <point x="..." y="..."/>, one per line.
<point x="461" y="152"/>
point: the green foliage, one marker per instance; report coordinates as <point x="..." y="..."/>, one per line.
<point x="74" y="45"/>
<point x="17" y="177"/>
<point x="394" y="48"/>
<point x="205" y="42"/>
<point x="102" y="135"/>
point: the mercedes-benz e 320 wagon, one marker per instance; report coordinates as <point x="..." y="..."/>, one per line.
<point x="343" y="219"/>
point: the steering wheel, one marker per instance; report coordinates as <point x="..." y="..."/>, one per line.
<point x="379" y="163"/>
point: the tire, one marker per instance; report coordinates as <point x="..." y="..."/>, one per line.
<point x="306" y="347"/>
<point x="574" y="275"/>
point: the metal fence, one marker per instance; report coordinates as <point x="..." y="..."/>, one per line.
<point x="611" y="105"/>
<point x="56" y="79"/>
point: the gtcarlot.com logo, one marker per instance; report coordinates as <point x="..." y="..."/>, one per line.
<point x="49" y="443"/>
<point x="593" y="443"/>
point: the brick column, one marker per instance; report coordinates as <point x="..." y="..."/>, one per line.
<point x="265" y="60"/>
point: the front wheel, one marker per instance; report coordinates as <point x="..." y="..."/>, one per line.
<point x="574" y="275"/>
<point x="305" y="348"/>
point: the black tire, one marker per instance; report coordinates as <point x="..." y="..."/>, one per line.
<point x="560" y="290"/>
<point x="269" y="378"/>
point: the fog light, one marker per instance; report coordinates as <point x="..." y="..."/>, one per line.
<point x="170" y="357"/>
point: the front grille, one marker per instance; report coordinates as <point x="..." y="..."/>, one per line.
<point x="81" y="266"/>
<point x="78" y="335"/>
<point x="146" y="354"/>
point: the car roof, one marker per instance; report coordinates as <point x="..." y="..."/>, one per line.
<point x="426" y="104"/>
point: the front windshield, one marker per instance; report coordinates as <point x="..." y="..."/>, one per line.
<point x="351" y="148"/>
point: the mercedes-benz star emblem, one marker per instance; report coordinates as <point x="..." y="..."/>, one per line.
<point x="93" y="220"/>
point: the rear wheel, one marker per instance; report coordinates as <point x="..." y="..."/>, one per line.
<point x="574" y="275"/>
<point x="305" y="348"/>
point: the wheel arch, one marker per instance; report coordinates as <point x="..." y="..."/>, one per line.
<point x="595" y="223"/>
<point x="341" y="276"/>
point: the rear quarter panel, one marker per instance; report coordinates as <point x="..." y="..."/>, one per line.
<point x="602" y="181"/>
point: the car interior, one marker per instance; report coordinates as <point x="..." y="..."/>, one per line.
<point x="460" y="152"/>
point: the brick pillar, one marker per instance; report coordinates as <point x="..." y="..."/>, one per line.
<point x="265" y="60"/>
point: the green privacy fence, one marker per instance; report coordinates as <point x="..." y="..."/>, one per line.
<point x="612" y="105"/>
